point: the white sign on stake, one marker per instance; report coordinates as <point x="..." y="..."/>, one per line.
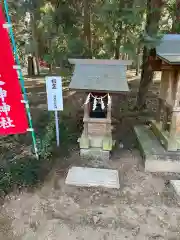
<point x="54" y="93"/>
<point x="54" y="98"/>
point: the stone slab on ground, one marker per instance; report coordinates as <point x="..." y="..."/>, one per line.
<point x="157" y="159"/>
<point x="176" y="186"/>
<point x="93" y="177"/>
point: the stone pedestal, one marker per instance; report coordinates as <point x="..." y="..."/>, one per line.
<point x="96" y="139"/>
<point x="96" y="146"/>
<point x="95" y="153"/>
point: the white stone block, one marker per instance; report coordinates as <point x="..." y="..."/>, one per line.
<point x="93" y="177"/>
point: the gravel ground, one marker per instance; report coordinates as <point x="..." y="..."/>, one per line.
<point x="144" y="207"/>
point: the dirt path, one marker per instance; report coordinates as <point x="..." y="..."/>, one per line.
<point x="144" y="208"/>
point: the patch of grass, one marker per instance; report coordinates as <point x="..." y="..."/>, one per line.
<point x="26" y="171"/>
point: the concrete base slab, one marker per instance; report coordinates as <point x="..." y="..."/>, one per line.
<point x="157" y="159"/>
<point x="176" y="186"/>
<point x="95" y="153"/>
<point x="93" y="177"/>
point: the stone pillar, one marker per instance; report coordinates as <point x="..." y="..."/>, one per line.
<point x="165" y="118"/>
<point x="159" y="109"/>
<point x="86" y="116"/>
<point x="108" y="125"/>
<point x="174" y="133"/>
<point x="162" y="94"/>
<point x="109" y="111"/>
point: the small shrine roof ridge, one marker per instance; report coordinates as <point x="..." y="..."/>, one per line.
<point x="99" y="75"/>
<point x="169" y="49"/>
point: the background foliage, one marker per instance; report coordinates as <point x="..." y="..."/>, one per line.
<point x="62" y="29"/>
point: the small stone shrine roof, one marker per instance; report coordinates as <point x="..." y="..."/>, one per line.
<point x="99" y="75"/>
<point x="169" y="49"/>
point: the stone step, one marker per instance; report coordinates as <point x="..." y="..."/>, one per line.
<point x="157" y="159"/>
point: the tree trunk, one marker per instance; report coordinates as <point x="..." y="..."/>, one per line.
<point x="146" y="80"/>
<point x="51" y="61"/>
<point x="152" y="25"/>
<point x="37" y="64"/>
<point x="87" y="28"/>
<point x="178" y="13"/>
<point x="176" y="21"/>
<point x="118" y="40"/>
<point x="117" y="47"/>
<point x="35" y="44"/>
<point x="30" y="69"/>
<point x="50" y="68"/>
<point x="138" y="62"/>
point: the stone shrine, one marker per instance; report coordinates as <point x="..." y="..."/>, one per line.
<point x="99" y="79"/>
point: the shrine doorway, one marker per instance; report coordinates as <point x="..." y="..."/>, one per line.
<point x="100" y="110"/>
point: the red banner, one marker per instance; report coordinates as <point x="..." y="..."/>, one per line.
<point x="13" y="118"/>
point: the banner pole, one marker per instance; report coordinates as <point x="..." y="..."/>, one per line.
<point x="21" y="79"/>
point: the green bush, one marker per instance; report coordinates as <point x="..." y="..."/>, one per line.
<point x="28" y="171"/>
